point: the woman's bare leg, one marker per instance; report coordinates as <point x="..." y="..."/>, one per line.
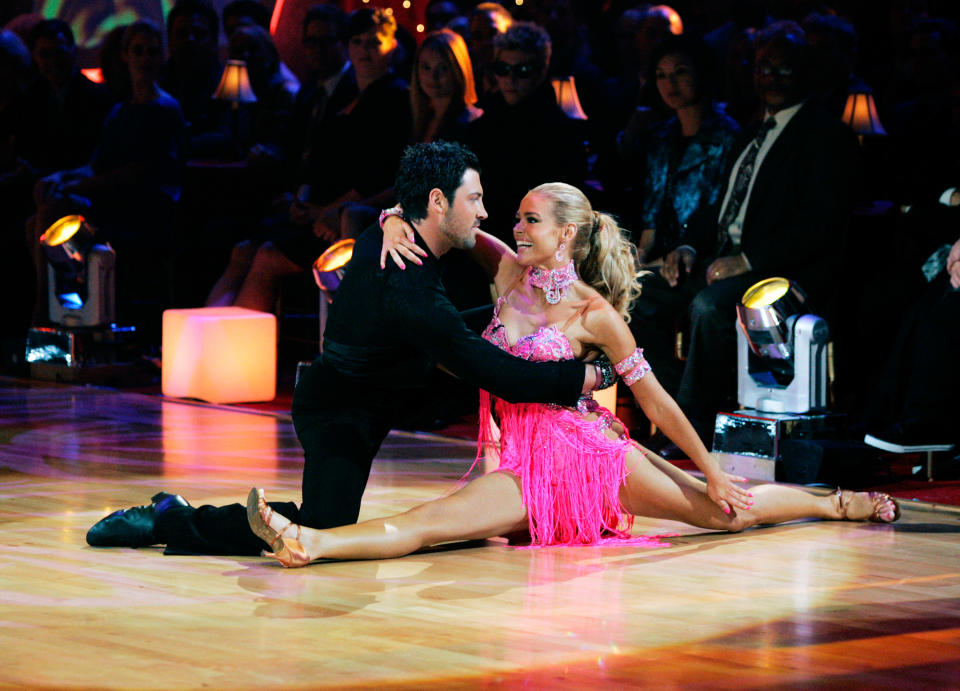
<point x="262" y="283"/>
<point x="487" y="507"/>
<point x="658" y="489"/>
<point x="224" y="291"/>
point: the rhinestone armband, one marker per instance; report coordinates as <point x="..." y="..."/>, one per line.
<point x="392" y="211"/>
<point x="631" y="369"/>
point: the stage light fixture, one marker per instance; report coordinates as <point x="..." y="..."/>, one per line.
<point x="781" y="350"/>
<point x="80" y="274"/>
<point x="327" y="272"/>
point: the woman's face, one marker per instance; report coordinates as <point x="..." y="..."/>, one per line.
<point x="144" y="58"/>
<point x="677" y="81"/>
<point x="518" y="75"/>
<point x="436" y="77"/>
<point x="537" y="233"/>
<point x="370" y="53"/>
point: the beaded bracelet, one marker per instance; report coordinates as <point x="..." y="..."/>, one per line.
<point x="392" y="211"/>
<point x="608" y="377"/>
<point x="632" y="368"/>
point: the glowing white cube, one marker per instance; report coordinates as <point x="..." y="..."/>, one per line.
<point x="219" y="354"/>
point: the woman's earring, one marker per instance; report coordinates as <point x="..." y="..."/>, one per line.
<point x="559" y="254"/>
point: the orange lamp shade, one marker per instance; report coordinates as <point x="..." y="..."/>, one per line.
<point x="565" y="89"/>
<point x="235" y="83"/>
<point x="219" y="354"/>
<point x="860" y="113"/>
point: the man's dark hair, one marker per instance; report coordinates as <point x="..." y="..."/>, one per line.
<point x="330" y="14"/>
<point x="362" y="20"/>
<point x="789" y="36"/>
<point x="252" y="9"/>
<point x="430" y="165"/>
<point x="204" y="9"/>
<point x="54" y="29"/>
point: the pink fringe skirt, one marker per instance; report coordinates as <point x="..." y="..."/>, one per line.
<point x="570" y="471"/>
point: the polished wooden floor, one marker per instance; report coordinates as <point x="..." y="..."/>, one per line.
<point x="836" y="604"/>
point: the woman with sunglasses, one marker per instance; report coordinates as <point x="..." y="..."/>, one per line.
<point x="568" y="476"/>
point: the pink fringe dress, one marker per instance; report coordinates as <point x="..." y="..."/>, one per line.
<point x="570" y="471"/>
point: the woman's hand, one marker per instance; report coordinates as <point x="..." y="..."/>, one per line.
<point x="725" y="494"/>
<point x="399" y="239"/>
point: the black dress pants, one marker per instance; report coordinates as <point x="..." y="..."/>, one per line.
<point x="341" y="426"/>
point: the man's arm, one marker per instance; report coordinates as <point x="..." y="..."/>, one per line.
<point x="423" y="316"/>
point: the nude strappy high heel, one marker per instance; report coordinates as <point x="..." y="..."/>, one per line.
<point x="886" y="509"/>
<point x="259" y="514"/>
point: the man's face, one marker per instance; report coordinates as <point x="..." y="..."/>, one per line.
<point x="775" y="78"/>
<point x="465" y="212"/>
<point x="191" y="38"/>
<point x="518" y="74"/>
<point x="370" y="53"/>
<point x="323" y="48"/>
<point x="55" y="59"/>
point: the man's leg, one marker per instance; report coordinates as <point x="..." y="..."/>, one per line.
<point x="709" y="382"/>
<point x="654" y="319"/>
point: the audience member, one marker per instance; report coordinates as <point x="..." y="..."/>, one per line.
<point x="58" y="119"/>
<point x="524" y="116"/>
<point x="833" y="44"/>
<point x="487" y="21"/>
<point x="131" y="183"/>
<point x="116" y="76"/>
<point x="340" y="172"/>
<point x="439" y="13"/>
<point x="784" y="213"/>
<point x="442" y="93"/>
<point x="193" y="73"/>
<point x="262" y="134"/>
<point x="253" y="13"/>
<point x="686" y="163"/>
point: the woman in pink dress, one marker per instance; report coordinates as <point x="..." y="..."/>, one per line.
<point x="567" y="475"/>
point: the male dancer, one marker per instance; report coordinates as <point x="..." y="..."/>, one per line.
<point x="386" y="329"/>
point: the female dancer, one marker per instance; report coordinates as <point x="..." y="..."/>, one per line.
<point x="569" y="476"/>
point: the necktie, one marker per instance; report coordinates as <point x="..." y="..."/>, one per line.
<point x="741" y="182"/>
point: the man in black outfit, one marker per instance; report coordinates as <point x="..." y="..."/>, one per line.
<point x="386" y="330"/>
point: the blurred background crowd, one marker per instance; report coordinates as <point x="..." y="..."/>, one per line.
<point x="219" y="197"/>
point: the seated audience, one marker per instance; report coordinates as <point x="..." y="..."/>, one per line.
<point x="524" y="116"/>
<point x="129" y="187"/>
<point x="785" y="212"/>
<point x="58" y="119"/>
<point x="339" y="171"/>
<point x="193" y="72"/>
<point x="487" y="21"/>
<point x="687" y="160"/>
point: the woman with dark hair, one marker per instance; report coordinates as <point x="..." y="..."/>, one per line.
<point x="686" y="159"/>
<point x="442" y="91"/>
<point x="569" y="476"/>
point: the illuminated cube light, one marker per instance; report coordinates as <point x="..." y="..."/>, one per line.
<point x="219" y="354"/>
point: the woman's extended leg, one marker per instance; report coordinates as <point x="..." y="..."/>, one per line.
<point x="488" y="506"/>
<point x="658" y="489"/>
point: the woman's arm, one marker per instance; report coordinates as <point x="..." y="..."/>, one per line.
<point x="614" y="337"/>
<point x="497" y="260"/>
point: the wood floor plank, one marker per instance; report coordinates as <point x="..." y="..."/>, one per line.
<point x="794" y="605"/>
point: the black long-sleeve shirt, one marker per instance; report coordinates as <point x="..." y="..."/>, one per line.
<point x="388" y="327"/>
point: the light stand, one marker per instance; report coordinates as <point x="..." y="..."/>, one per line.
<point x="782" y="381"/>
<point x="84" y="344"/>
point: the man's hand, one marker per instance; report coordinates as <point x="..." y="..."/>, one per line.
<point x="727" y="267"/>
<point x="680" y="259"/>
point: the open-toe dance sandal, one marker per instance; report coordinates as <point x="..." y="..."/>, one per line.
<point x="285" y="549"/>
<point x="886" y="509"/>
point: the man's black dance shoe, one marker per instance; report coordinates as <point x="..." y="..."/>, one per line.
<point x="132" y="527"/>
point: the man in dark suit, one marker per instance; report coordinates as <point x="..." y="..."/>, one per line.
<point x="785" y="213"/>
<point x="386" y="330"/>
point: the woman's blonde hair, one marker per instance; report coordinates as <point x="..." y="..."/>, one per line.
<point x="453" y="48"/>
<point x="604" y="256"/>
